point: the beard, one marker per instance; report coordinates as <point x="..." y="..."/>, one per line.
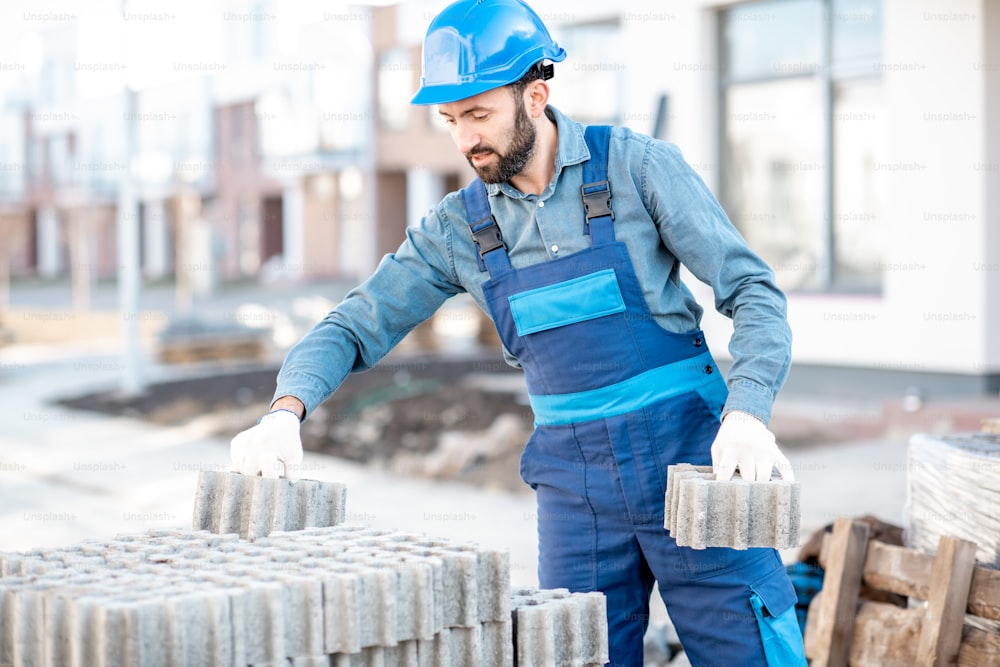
<point x="520" y="147"/>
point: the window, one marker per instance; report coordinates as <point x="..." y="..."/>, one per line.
<point x="802" y="126"/>
<point x="395" y="87"/>
<point x="589" y="83"/>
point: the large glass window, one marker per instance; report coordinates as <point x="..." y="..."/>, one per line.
<point x="589" y="84"/>
<point x="802" y="127"/>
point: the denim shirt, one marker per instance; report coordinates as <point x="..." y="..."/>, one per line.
<point x="684" y="225"/>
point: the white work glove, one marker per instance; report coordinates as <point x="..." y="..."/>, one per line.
<point x="744" y="442"/>
<point x="271" y="447"/>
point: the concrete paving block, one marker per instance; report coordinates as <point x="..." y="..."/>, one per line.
<point x="459" y="601"/>
<point x="233" y="507"/>
<point x="534" y="635"/>
<point x="321" y="660"/>
<point x="207" y="496"/>
<point x="238" y="602"/>
<point x="556" y="627"/>
<point x="465" y="645"/>
<point x="342" y="596"/>
<point x="24" y="643"/>
<point x="497" y="644"/>
<point x="187" y="629"/>
<point x="85" y="637"/>
<point x="403" y="654"/>
<point x="57" y="626"/>
<point x="435" y="652"/>
<point x="228" y="502"/>
<point x="415" y="601"/>
<point x="267" y="497"/>
<point x="701" y="512"/>
<point x="323" y="504"/>
<point x="433" y="599"/>
<point x="493" y="581"/>
<point x="10" y="564"/>
<point x="594" y="620"/>
<point x="265" y="622"/>
<point x="303" y="614"/>
<point x="141" y="624"/>
<point x="378" y="607"/>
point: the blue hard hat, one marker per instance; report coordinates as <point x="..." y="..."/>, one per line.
<point x="476" y="45"/>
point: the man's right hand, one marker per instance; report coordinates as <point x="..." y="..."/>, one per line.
<point x="272" y="448"/>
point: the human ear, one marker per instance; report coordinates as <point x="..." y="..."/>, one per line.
<point x="537" y="94"/>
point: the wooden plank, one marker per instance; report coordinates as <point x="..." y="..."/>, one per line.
<point x="941" y="634"/>
<point x="834" y="622"/>
<point x="984" y="594"/>
<point x="898" y="570"/>
<point x="979" y="648"/>
<point x="885" y="635"/>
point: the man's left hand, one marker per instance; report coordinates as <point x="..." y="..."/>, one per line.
<point x="744" y="442"/>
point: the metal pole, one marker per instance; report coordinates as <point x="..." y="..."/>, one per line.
<point x="128" y="260"/>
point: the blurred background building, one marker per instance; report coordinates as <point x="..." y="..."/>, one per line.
<point x="855" y="143"/>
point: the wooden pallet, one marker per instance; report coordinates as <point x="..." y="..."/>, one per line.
<point x="842" y="630"/>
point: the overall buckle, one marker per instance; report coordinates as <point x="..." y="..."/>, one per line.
<point x="486" y="235"/>
<point x="597" y="202"/>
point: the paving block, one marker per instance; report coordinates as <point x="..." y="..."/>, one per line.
<point x="700" y="512"/>
<point x="553" y="627"/>
<point x="465" y="645"/>
<point x="497" y="644"/>
<point x="253" y="507"/>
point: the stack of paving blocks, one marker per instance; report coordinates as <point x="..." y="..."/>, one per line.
<point x="340" y="595"/>
<point x="701" y="512"/>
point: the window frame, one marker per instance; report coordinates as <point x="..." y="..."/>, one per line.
<point x="828" y="75"/>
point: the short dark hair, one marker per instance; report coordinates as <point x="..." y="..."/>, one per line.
<point x="534" y="73"/>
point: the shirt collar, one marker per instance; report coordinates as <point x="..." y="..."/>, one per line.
<point x="571" y="149"/>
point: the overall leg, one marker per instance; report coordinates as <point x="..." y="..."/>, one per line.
<point x="710" y="595"/>
<point x="585" y="540"/>
<point x="729" y="607"/>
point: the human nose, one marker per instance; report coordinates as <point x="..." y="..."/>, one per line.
<point x="465" y="137"/>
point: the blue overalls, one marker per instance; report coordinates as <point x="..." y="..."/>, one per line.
<point x="617" y="399"/>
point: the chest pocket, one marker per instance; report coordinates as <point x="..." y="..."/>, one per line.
<point x="567" y="302"/>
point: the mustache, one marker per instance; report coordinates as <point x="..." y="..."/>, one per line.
<point x="478" y="150"/>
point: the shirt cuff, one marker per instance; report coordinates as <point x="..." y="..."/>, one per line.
<point x="750" y="397"/>
<point x="303" y="387"/>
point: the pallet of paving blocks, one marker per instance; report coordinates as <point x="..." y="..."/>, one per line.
<point x="951" y="617"/>
<point x="701" y="512"/>
<point x="243" y="593"/>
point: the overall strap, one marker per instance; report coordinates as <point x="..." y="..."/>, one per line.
<point x="596" y="191"/>
<point x="485" y="232"/>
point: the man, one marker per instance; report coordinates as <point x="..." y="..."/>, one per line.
<point x="574" y="246"/>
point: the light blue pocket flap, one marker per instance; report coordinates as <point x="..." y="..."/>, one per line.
<point x="585" y="298"/>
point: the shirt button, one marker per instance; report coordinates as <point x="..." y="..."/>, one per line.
<point x="554" y="249"/>
<point x="708" y="370"/>
<point x="541" y="204"/>
<point x="697" y="342"/>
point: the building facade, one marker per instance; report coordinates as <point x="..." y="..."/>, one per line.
<point x="854" y="143"/>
